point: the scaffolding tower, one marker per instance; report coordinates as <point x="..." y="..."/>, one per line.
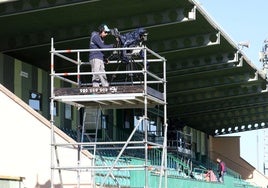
<point x="146" y="92"/>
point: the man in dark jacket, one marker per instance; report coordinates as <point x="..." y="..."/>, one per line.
<point x="96" y="58"/>
<point x="221" y="169"/>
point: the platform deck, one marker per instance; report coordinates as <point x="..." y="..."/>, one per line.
<point x="110" y="97"/>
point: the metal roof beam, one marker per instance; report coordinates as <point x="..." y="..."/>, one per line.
<point x="77" y="32"/>
<point x="237" y="129"/>
<point x="186" y="43"/>
<point x="246" y="126"/>
<point x="212" y="62"/>
<point x="205" y="85"/>
<point x="225" y="109"/>
<point x="203" y="101"/>
<point x="26" y="7"/>
<point x="230" y="116"/>
<point x="224" y="71"/>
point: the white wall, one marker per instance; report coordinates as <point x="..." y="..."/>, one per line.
<point x="258" y="179"/>
<point x="25" y="139"/>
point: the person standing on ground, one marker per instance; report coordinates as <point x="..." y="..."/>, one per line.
<point x="221" y="169"/>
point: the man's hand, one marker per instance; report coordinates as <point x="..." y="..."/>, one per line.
<point x="106" y="61"/>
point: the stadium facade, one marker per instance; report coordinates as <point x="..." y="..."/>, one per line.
<point x="155" y="126"/>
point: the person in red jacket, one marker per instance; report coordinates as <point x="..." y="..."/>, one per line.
<point x="221" y="170"/>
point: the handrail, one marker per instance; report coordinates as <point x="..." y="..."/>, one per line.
<point x="78" y="62"/>
<point x="172" y="161"/>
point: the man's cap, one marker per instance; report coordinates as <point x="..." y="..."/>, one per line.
<point x="104" y="27"/>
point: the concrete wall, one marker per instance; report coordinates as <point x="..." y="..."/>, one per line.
<point x="25" y="139"/>
<point x="22" y="78"/>
<point x="228" y="149"/>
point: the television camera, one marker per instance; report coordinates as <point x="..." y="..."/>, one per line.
<point x="135" y="38"/>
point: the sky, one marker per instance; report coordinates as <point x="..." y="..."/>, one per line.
<point x="244" y="21"/>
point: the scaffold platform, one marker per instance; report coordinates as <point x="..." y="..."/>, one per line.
<point x="109" y="97"/>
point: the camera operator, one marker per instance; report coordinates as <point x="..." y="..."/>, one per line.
<point x="96" y="58"/>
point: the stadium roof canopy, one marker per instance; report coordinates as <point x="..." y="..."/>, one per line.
<point x="211" y="83"/>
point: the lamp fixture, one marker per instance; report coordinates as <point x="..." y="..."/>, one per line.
<point x="243" y="45"/>
<point x="7" y="1"/>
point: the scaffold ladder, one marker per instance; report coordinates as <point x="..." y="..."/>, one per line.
<point x="91" y="120"/>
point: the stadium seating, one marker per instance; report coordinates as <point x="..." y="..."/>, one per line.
<point x="177" y="168"/>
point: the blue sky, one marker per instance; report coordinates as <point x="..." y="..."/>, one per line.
<point x="244" y="21"/>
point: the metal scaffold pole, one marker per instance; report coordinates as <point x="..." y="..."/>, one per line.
<point x="165" y="122"/>
<point x="146" y="120"/>
<point x="51" y="112"/>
